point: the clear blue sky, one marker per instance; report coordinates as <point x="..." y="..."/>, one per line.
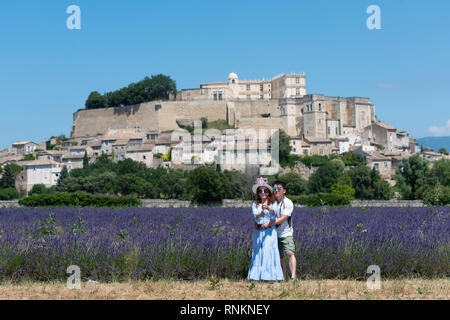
<point x="48" y="71"/>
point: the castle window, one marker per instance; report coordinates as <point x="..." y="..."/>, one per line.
<point x="248" y="87"/>
<point x="215" y="95"/>
<point x="261" y="87"/>
<point x="220" y="95"/>
<point x="297" y="92"/>
<point x="321" y="151"/>
<point x="320" y="107"/>
<point x="232" y="81"/>
<point x="297" y="80"/>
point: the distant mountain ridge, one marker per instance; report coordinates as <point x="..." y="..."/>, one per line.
<point x="435" y="143"/>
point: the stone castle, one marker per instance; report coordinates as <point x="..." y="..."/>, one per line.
<point x="316" y="124"/>
<point x="267" y="104"/>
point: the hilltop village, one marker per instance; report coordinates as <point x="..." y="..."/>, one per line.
<point x="155" y="132"/>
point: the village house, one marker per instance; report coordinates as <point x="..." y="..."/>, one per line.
<point x="25" y="147"/>
<point x="55" y="155"/>
<point x="41" y="171"/>
<point x="321" y="147"/>
<point x="197" y="150"/>
<point x="142" y="153"/>
<point x="242" y="153"/>
<point x="163" y="143"/>
<point x="72" y="161"/>
<point x="376" y="160"/>
<point x="431" y="156"/>
<point x="299" y="146"/>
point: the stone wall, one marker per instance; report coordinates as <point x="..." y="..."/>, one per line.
<point x="301" y="169"/>
<point x="228" y="203"/>
<point x="387" y="203"/>
<point x="155" y="115"/>
<point x="162" y="115"/>
<point x="10" y="204"/>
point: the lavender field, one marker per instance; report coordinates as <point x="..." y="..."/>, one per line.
<point x="137" y="244"/>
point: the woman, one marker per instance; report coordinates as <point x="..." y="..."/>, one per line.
<point x="265" y="263"/>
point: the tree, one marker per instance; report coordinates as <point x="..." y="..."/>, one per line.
<point x="240" y="184"/>
<point x="412" y="176"/>
<point x="9" y="176"/>
<point x="158" y="87"/>
<point x="9" y="194"/>
<point x="41" y="189"/>
<point x="62" y="175"/>
<point x="352" y="159"/>
<point x="85" y="160"/>
<point x="95" y="101"/>
<point x="441" y="172"/>
<point x="443" y="151"/>
<point x="295" y="184"/>
<point x="324" y="178"/>
<point x="284" y="147"/>
<point x="207" y="185"/>
<point x="368" y="184"/>
<point x="343" y="189"/>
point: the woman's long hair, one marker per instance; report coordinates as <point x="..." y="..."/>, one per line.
<point x="270" y="198"/>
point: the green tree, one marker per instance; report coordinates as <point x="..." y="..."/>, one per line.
<point x="240" y="184"/>
<point x="295" y="184"/>
<point x="38" y="189"/>
<point x="62" y="175"/>
<point x="412" y="177"/>
<point x="343" y="189"/>
<point x="368" y="184"/>
<point x="284" y="147"/>
<point x="207" y="185"/>
<point x="9" y="194"/>
<point x="9" y="176"/>
<point x="442" y="150"/>
<point x="85" y="160"/>
<point x="324" y="178"/>
<point x="158" y="87"/>
<point x="353" y="159"/>
<point x="95" y="101"/>
<point x="441" y="172"/>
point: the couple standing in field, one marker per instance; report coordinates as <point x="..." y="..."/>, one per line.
<point x="273" y="235"/>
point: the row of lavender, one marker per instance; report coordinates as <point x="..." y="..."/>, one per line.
<point x="191" y="243"/>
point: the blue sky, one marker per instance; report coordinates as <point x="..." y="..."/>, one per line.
<point x="48" y="71"/>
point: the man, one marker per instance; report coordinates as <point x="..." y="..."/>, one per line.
<point x="283" y="208"/>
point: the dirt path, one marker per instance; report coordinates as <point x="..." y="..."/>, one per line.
<point x="226" y="290"/>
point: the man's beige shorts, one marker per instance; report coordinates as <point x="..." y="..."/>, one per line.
<point x="286" y="245"/>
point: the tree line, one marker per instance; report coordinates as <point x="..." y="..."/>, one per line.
<point x="157" y="87"/>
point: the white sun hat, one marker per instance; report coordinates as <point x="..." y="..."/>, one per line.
<point x="261" y="182"/>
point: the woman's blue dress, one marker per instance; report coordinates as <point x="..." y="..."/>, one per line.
<point x="265" y="263"/>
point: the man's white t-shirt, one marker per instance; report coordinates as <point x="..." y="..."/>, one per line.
<point x="284" y="208"/>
